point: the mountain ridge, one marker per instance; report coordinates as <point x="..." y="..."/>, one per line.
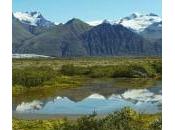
<point x="78" y="38"/>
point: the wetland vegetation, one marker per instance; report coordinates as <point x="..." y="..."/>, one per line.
<point x="61" y="73"/>
<point x="44" y="79"/>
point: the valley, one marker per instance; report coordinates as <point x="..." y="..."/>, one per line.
<point x="79" y="75"/>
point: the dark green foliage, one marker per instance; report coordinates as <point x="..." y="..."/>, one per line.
<point x="88" y="123"/>
<point x="50" y="73"/>
<point x="101" y="71"/>
<point x="126" y="119"/>
<point x="157" y="124"/>
<point x="134" y="70"/>
<point x="32" y="76"/>
<point x="66" y="125"/>
<point x="74" y="70"/>
<point x="157" y="65"/>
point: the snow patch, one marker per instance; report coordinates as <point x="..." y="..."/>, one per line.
<point x="136" y="21"/>
<point x="139" y="22"/>
<point x="33" y="18"/>
<point x="95" y="23"/>
<point x="27" y="17"/>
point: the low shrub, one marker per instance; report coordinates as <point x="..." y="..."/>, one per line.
<point x="157" y="66"/>
<point x="71" y="70"/>
<point x="101" y="71"/>
<point x="126" y="119"/>
<point x="32" y="76"/>
<point x="131" y="70"/>
<point x="156" y="124"/>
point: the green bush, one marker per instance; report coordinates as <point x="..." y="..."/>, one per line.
<point x="122" y="71"/>
<point x="88" y="123"/>
<point x="129" y="70"/>
<point x="157" y="66"/>
<point x="126" y="119"/>
<point x="156" y="124"/>
<point x="101" y="71"/>
<point x="71" y="70"/>
<point x="32" y="76"/>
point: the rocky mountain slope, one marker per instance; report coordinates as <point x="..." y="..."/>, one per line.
<point x="77" y="38"/>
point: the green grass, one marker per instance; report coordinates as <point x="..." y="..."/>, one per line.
<point x="126" y="119"/>
<point x="63" y="73"/>
<point x="84" y="62"/>
<point x="58" y="82"/>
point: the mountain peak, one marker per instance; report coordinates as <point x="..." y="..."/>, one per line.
<point x="138" y="22"/>
<point x="74" y="21"/>
<point x="33" y="18"/>
<point x="152" y="14"/>
<point x="106" y="21"/>
<point x="35" y="13"/>
<point x="132" y="16"/>
<point x="135" y="15"/>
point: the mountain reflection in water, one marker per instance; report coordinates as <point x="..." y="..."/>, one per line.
<point x="142" y="100"/>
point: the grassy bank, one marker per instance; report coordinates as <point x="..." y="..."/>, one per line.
<point x="63" y="73"/>
<point x="126" y="119"/>
<point x="59" y="81"/>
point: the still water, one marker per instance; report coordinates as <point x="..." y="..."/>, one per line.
<point x="100" y="95"/>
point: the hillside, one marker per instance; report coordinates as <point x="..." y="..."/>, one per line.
<point x="77" y="38"/>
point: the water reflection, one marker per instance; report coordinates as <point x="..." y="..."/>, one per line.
<point x="143" y="100"/>
<point x="105" y="87"/>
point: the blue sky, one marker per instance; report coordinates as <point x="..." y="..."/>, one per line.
<point x="87" y="10"/>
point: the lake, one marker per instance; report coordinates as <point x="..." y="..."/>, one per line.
<point x="100" y="95"/>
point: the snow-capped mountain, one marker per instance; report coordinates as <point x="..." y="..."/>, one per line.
<point x="136" y="22"/>
<point x="33" y="18"/>
<point x="154" y="31"/>
<point x="77" y="38"/>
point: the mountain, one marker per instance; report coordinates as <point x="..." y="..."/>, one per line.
<point x="34" y="22"/>
<point x="138" y="22"/>
<point x="149" y="25"/>
<point x="106" y="40"/>
<point x="62" y="40"/>
<point x="19" y="33"/>
<point x="77" y="38"/>
<point x="33" y="18"/>
<point x="153" y="31"/>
